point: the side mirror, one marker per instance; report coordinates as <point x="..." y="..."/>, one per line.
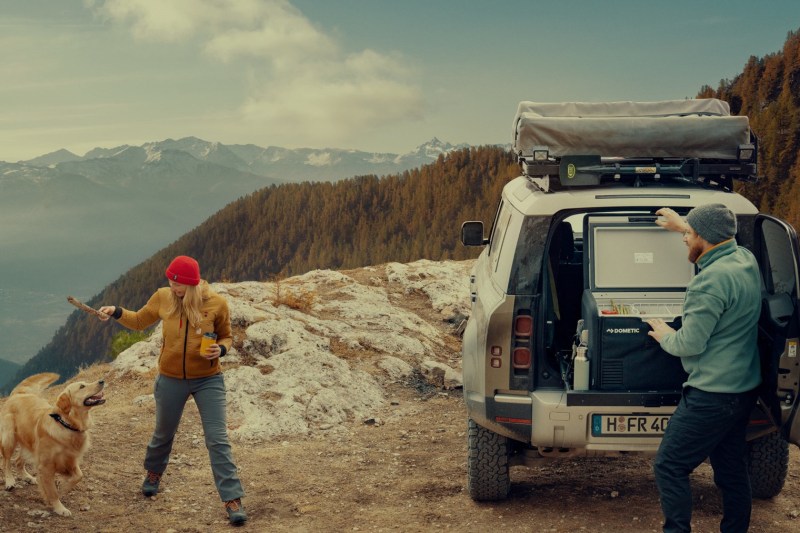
<point x="472" y="233"/>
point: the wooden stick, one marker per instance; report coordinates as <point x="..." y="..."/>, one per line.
<point x="83" y="307"/>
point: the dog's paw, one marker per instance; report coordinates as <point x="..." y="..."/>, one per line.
<point x="10" y="485"/>
<point x="60" y="510"/>
<point x="31" y="480"/>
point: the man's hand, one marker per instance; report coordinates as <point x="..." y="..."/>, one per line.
<point x="671" y="220"/>
<point x="660" y="329"/>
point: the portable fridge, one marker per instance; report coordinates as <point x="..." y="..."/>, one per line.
<point x="634" y="270"/>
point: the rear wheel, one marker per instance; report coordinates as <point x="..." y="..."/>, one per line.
<point x="487" y="464"/>
<point x="767" y="464"/>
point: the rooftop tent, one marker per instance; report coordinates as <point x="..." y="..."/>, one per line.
<point x="701" y="128"/>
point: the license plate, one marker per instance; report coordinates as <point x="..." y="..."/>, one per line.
<point x="616" y="425"/>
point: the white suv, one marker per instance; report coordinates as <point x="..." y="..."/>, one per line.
<point x="556" y="357"/>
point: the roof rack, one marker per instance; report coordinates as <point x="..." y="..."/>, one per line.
<point x="591" y="171"/>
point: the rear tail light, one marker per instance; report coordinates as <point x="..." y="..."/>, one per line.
<point x="521" y="358"/>
<point x="522" y="345"/>
<point x="523" y="326"/>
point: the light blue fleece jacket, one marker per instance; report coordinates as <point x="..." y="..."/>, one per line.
<point x="717" y="338"/>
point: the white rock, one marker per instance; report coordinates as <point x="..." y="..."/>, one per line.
<point x="397" y="369"/>
<point x="142" y="356"/>
<point x="311" y="388"/>
<point x="287" y="379"/>
<point x="451" y="379"/>
<point x="446" y="283"/>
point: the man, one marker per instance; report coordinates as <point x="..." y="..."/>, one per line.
<point x="717" y="346"/>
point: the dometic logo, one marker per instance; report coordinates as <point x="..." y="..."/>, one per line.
<point x="622" y="330"/>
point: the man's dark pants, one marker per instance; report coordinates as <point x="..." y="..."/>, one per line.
<point x="706" y="424"/>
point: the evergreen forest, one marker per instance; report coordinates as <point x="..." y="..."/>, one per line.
<point x="768" y="92"/>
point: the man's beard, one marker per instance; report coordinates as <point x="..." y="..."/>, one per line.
<point x="695" y="252"/>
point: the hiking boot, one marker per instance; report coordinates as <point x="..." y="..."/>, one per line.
<point x="236" y="514"/>
<point x="150" y="485"/>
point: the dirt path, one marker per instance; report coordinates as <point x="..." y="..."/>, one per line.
<point x="403" y="471"/>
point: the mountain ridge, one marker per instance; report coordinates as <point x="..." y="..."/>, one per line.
<point x="7" y="370"/>
<point x="290" y="164"/>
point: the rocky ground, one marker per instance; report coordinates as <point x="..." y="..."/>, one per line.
<point x="395" y="463"/>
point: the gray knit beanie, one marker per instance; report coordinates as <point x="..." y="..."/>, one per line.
<point x="713" y="222"/>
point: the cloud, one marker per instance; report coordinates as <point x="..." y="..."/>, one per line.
<point x="332" y="101"/>
<point x="300" y="81"/>
<point x="175" y="20"/>
<point x="282" y="35"/>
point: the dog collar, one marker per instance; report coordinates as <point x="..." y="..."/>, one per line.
<point x="57" y="418"/>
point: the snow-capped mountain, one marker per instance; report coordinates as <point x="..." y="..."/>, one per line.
<point x="283" y="164"/>
<point x="53" y="158"/>
<point x="431" y="150"/>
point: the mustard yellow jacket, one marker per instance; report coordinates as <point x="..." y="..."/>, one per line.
<point x="180" y="353"/>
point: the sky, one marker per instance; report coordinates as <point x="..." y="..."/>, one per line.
<point x="372" y="75"/>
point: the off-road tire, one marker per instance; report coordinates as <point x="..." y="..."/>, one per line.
<point x="767" y="464"/>
<point x="487" y="464"/>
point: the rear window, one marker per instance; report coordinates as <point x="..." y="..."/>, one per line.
<point x="499" y="235"/>
<point x="527" y="264"/>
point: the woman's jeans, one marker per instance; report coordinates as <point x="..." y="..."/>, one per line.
<point x="706" y="424"/>
<point x="209" y="394"/>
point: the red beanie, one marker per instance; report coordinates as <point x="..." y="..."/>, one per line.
<point x="184" y="270"/>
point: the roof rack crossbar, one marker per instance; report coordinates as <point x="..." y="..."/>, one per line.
<point x="692" y="170"/>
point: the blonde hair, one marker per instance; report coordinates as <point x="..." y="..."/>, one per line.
<point x="190" y="304"/>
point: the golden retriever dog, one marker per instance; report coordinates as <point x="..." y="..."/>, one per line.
<point x="52" y="437"/>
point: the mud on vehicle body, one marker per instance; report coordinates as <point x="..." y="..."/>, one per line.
<point x="556" y="357"/>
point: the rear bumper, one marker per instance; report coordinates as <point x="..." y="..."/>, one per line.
<point x="547" y="421"/>
<point x="558" y="424"/>
<point x="505" y="414"/>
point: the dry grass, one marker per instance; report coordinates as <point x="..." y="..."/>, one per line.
<point x="294" y="298"/>
<point x="343" y="350"/>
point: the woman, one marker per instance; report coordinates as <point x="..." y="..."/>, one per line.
<point x="188" y="309"/>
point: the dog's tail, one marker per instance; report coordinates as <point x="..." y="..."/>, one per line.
<point x="36" y="383"/>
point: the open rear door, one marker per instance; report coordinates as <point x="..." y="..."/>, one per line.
<point x="779" y="327"/>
